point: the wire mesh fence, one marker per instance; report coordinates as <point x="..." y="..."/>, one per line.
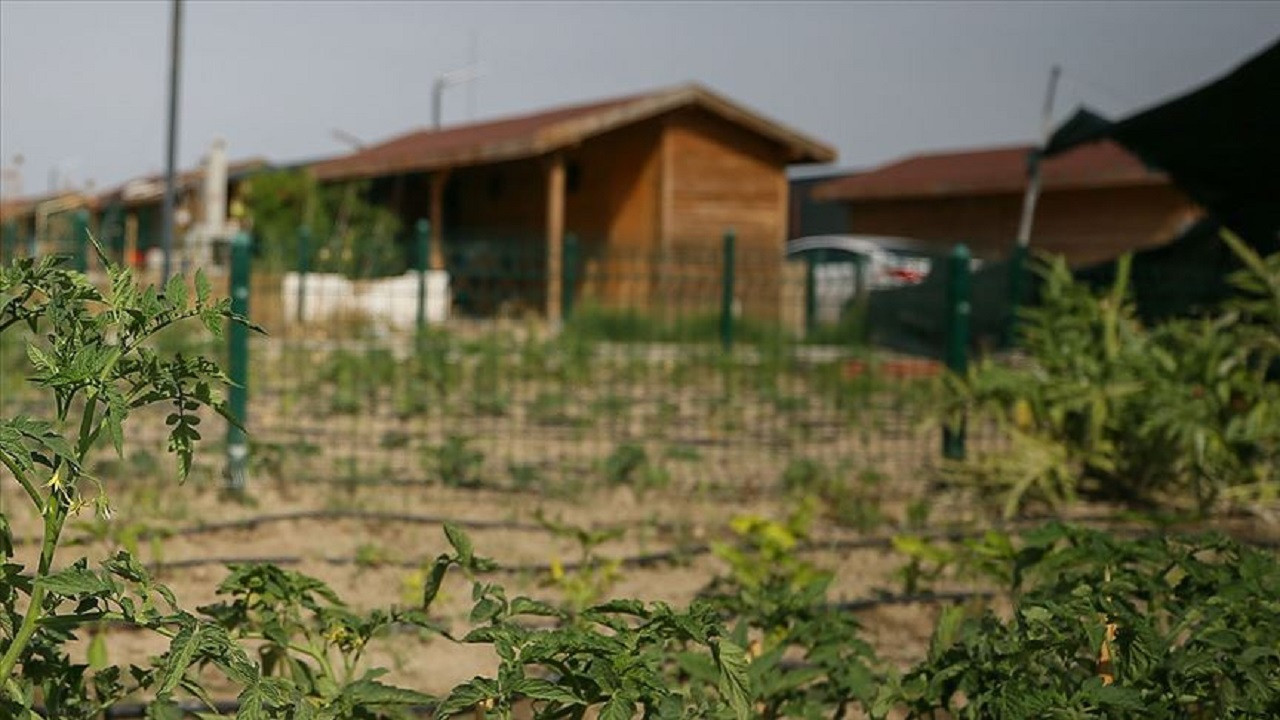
<point x="656" y="376"/>
<point x="713" y="367"/>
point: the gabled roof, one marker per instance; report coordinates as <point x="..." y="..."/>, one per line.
<point x="20" y="207"/>
<point x="989" y="172"/>
<point x="538" y="133"/>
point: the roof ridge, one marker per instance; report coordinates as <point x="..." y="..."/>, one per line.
<point x="527" y="115"/>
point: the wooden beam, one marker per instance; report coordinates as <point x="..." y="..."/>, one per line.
<point x="130" y="239"/>
<point x="438" y="180"/>
<point x="666" y="199"/>
<point x="555" y="236"/>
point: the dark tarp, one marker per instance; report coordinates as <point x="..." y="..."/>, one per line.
<point x="1185" y="277"/>
<point x="1220" y="144"/>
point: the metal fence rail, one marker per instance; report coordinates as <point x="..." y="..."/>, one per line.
<point x="691" y="367"/>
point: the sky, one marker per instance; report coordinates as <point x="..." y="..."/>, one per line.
<point x="83" y="85"/>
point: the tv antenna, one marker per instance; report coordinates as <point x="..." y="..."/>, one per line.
<point x="448" y="79"/>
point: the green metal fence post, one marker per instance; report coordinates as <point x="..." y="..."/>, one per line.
<point x="80" y="240"/>
<point x="726" y="299"/>
<point x="957" y="350"/>
<point x="862" y="300"/>
<point x="810" y="292"/>
<point x="304" y="267"/>
<point x="238" y="366"/>
<point x="421" y="261"/>
<point x="570" y="273"/>
<point x="1017" y="292"/>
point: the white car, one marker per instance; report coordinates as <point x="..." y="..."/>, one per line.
<point x="849" y="260"/>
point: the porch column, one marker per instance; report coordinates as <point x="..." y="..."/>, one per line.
<point x="438" y="179"/>
<point x="130" y="240"/>
<point x="555" y="236"/>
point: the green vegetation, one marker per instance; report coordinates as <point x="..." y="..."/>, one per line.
<point x="349" y="235"/>
<point x="1160" y="627"/>
<point x="595" y="323"/>
<point x="1180" y="414"/>
<point x="1097" y="626"/>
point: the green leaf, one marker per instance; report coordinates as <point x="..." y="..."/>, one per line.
<point x="97" y="653"/>
<point x="467" y="695"/>
<point x="539" y="689"/>
<point x="528" y="606"/>
<point x="947" y="631"/>
<point x="75" y="581"/>
<point x="435" y="577"/>
<point x="485" y="609"/>
<point x="460" y="542"/>
<point x="6" y="537"/>
<point x="175" y="292"/>
<point x="618" y="708"/>
<point x="182" y="652"/>
<point x="368" y="692"/>
<point x="733" y="663"/>
<point x="203" y="291"/>
<point x="627" y="606"/>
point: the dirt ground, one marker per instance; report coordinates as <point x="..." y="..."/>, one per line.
<point x="373" y="562"/>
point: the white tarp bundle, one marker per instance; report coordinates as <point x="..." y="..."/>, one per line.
<point x="389" y="301"/>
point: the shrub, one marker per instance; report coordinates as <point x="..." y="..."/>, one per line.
<point x="1182" y="414"/>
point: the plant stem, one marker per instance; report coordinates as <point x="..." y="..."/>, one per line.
<point x="25" y="482"/>
<point x="55" y="514"/>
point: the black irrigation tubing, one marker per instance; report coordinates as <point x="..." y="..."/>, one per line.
<point x="409" y="518"/>
<point x="665" y="557"/>
<point x="306" y="515"/>
<point x="930" y="598"/>
<point x="953" y="534"/>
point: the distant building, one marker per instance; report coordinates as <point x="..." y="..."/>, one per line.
<point x="808" y="216"/>
<point x="40" y="224"/>
<point x="1097" y="202"/>
<point x="130" y="215"/>
<point x="648" y="183"/>
<point x="126" y="219"/>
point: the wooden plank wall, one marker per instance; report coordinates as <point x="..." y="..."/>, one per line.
<point x="1085" y="225"/>
<point x="614" y="213"/>
<point x="721" y="177"/>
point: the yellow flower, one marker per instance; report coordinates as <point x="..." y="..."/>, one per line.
<point x="1022" y="415"/>
<point x="55" y="481"/>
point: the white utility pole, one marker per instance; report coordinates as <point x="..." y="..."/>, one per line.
<point x="1033" y="182"/>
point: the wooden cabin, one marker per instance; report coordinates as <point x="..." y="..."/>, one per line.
<point x="42" y="224"/>
<point x="647" y="184"/>
<point x="1097" y="202"/>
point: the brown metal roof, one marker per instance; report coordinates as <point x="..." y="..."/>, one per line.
<point x="534" y="134"/>
<point x="20" y="207"/>
<point x="991" y="171"/>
